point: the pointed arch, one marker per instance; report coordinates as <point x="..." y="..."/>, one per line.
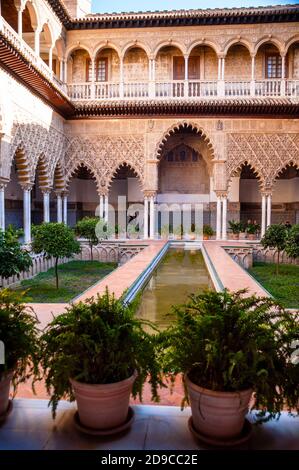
<point x="185" y="125"/>
<point x="59" y="178"/>
<point x="119" y="165"/>
<point x="72" y="171"/>
<point x="292" y="163"/>
<point x="43" y="173"/>
<point x="291" y="41"/>
<point x="22" y="166"/>
<point x="256" y="171"/>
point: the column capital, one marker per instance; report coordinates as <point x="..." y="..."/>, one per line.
<point x="149" y="193"/>
<point x="46" y="190"/>
<point x="27" y="186"/>
<point x="222" y="194"/>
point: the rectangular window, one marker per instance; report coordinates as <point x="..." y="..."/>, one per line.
<point x="101" y="70"/>
<point x="178" y="68"/>
<point x="273" y="66"/>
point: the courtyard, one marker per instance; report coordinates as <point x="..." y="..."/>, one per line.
<point x="149" y="229"/>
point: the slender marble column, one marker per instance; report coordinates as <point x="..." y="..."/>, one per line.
<point x="152" y="217"/>
<point x="20" y="21"/>
<point x="2" y="206"/>
<point x="224" y="217"/>
<point x="269" y="205"/>
<point x="101" y="207"/>
<point x="27" y="213"/>
<point x="106" y="216"/>
<point x="46" y="200"/>
<point x="64" y="201"/>
<point x="264" y="210"/>
<point x="145" y="222"/>
<point x="59" y="208"/>
<point x="218" y="218"/>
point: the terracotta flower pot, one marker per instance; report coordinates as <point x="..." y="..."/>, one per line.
<point x="103" y="406"/>
<point x="5" y="381"/>
<point x="206" y="237"/>
<point x="218" y="415"/>
<point x="192" y="237"/>
<point x="251" y="236"/>
<point x="235" y="236"/>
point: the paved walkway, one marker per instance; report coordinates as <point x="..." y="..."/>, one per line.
<point x="232" y="276"/>
<point x="117" y="282"/>
<point x="30" y="426"/>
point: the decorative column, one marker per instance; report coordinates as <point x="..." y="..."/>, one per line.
<point x="145" y="218"/>
<point x="186" y="84"/>
<point x="46" y="201"/>
<point x="283" y="75"/>
<point x="121" y="78"/>
<point x="61" y="70"/>
<point x="92" y="86"/>
<point x="2" y="206"/>
<point x="51" y="59"/>
<point x="152" y="73"/>
<point x="264" y="210"/>
<point x="152" y="216"/>
<point x="65" y="70"/>
<point x="20" y="21"/>
<point x="218" y="218"/>
<point x="27" y="213"/>
<point x="269" y="206"/>
<point x="64" y="211"/>
<point x="36" y="41"/>
<point x="106" y="207"/>
<point x="224" y="217"/>
<point x="59" y="208"/>
<point x="252" y="82"/>
<point x="220" y="83"/>
<point x="101" y="206"/>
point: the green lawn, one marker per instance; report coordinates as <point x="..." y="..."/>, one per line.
<point x="74" y="278"/>
<point x="284" y="287"/>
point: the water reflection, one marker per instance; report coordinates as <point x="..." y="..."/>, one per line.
<point x="182" y="272"/>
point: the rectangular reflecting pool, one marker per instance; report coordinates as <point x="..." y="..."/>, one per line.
<point x="181" y="273"/>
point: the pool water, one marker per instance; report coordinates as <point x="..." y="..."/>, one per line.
<point x="181" y="273"/>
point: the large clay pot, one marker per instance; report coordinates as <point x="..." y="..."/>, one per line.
<point x="218" y="415"/>
<point x="206" y="237"/>
<point x="235" y="236"/>
<point x="103" y="406"/>
<point x="251" y="236"/>
<point x="5" y="382"/>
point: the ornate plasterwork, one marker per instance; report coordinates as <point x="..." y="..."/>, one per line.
<point x="267" y="154"/>
<point x="103" y="155"/>
<point x="36" y="141"/>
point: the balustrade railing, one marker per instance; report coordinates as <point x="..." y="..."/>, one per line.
<point x="292" y="88"/>
<point x="200" y="88"/>
<point x="237" y="88"/>
<point x="268" y="87"/>
<point x="14" y="38"/>
<point x="170" y="89"/>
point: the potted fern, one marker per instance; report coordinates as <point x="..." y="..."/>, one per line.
<point x="252" y="229"/>
<point x="235" y="228"/>
<point x="208" y="232"/>
<point x="98" y="353"/>
<point x="230" y="347"/>
<point x="18" y="346"/>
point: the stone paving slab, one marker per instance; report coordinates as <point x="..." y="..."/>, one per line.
<point x="232" y="276"/>
<point x="30" y="426"/>
<point x="117" y="282"/>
